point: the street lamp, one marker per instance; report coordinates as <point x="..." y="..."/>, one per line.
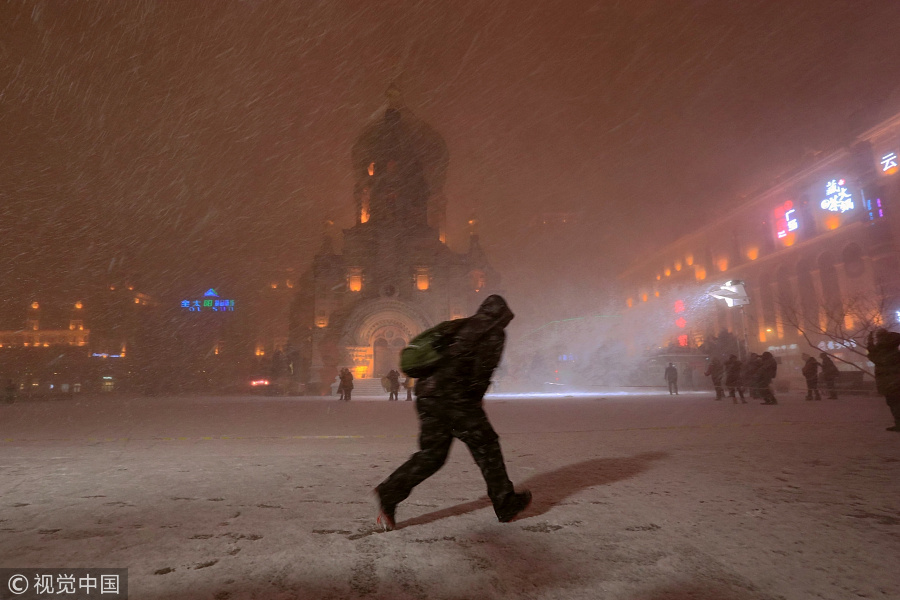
<point x="735" y="294"/>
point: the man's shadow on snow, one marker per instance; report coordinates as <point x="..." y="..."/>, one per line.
<point x="553" y="487"/>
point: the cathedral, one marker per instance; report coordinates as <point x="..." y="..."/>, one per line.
<point x="395" y="276"/>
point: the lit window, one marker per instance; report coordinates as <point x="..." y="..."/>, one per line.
<point x="35" y="305"/>
<point x="753" y="253"/>
<point x="629" y="302"/>
<point x="689" y="260"/>
<point x="371" y="169"/>
<point x="423" y="281"/>
<point x="354" y="279"/>
<point x="699" y="273"/>
<point x="722" y="264"/>
<point x="78" y="305"/>
<point x="321" y="321"/>
<point x="364" y="209"/>
<point x="668" y="272"/>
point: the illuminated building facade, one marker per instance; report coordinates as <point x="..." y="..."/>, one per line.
<point x="395" y="275"/>
<point x="818" y="251"/>
<point x="56" y="346"/>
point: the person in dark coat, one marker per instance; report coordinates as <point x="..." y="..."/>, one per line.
<point x="765" y="373"/>
<point x="810" y="372"/>
<point x="449" y="403"/>
<point x="714" y="371"/>
<point x="347" y="383"/>
<point x="883" y="351"/>
<point x="748" y="374"/>
<point x="733" y="378"/>
<point x="393" y="378"/>
<point x="408" y="384"/>
<point x="829" y="375"/>
<point x="671" y="375"/>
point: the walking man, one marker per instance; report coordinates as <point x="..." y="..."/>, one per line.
<point x="768" y="368"/>
<point x="671" y="376"/>
<point x="714" y="371"/>
<point x="347" y="382"/>
<point x="884" y="353"/>
<point x="810" y="372"/>
<point x="449" y="405"/>
<point x="393" y="378"/>
<point x="733" y="378"/>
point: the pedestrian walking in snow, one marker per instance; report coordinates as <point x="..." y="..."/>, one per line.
<point x="765" y="373"/>
<point x="733" y="378"/>
<point x="810" y="372"/>
<point x="449" y="403"/>
<point x="393" y="378"/>
<point x="883" y="351"/>
<point x="829" y="375"/>
<point x="408" y="384"/>
<point x="347" y="382"/>
<point x="749" y="375"/>
<point x="671" y="375"/>
<point x="714" y="371"/>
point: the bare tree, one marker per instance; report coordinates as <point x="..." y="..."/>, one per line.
<point x="839" y="325"/>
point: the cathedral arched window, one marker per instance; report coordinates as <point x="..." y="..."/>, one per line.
<point x="422" y="279"/>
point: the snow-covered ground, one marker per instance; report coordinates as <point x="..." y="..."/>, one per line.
<point x="639" y="497"/>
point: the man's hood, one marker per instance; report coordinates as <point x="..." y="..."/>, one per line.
<point x="495" y="309"/>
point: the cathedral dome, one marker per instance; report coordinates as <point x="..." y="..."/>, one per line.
<point x="398" y="135"/>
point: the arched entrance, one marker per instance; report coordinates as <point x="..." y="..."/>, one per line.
<point x="377" y="331"/>
<point x="388" y="343"/>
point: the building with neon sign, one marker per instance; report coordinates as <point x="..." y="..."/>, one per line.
<point x="822" y="238"/>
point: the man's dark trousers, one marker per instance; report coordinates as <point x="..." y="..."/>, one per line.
<point x="443" y="419"/>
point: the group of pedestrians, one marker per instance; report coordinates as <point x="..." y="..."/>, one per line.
<point x="345" y="384"/>
<point x="811" y="372"/>
<point x="754" y="376"/>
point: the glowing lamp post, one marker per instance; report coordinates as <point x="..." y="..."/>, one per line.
<point x="735" y="294"/>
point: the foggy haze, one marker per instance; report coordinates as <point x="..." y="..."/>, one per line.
<point x="208" y="142"/>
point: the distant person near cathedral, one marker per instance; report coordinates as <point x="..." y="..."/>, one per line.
<point x="671" y="375"/>
<point x="449" y="402"/>
<point x="393" y="378"/>
<point x="408" y="385"/>
<point x="347" y="383"/>
<point x="714" y="371"/>
<point x="829" y="375"/>
<point x="810" y="373"/>
<point x="733" y="378"/>
<point x="765" y="373"/>
<point x="885" y="355"/>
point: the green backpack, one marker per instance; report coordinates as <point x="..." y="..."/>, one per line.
<point x="425" y="351"/>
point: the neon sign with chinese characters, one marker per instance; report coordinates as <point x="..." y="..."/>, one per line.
<point x="786" y="221"/>
<point x="889" y="164"/>
<point x="209" y="303"/>
<point x="837" y="199"/>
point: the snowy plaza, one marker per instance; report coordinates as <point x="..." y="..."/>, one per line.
<point x="638" y="496"/>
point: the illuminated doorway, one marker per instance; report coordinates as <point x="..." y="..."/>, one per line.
<point x="387" y="346"/>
